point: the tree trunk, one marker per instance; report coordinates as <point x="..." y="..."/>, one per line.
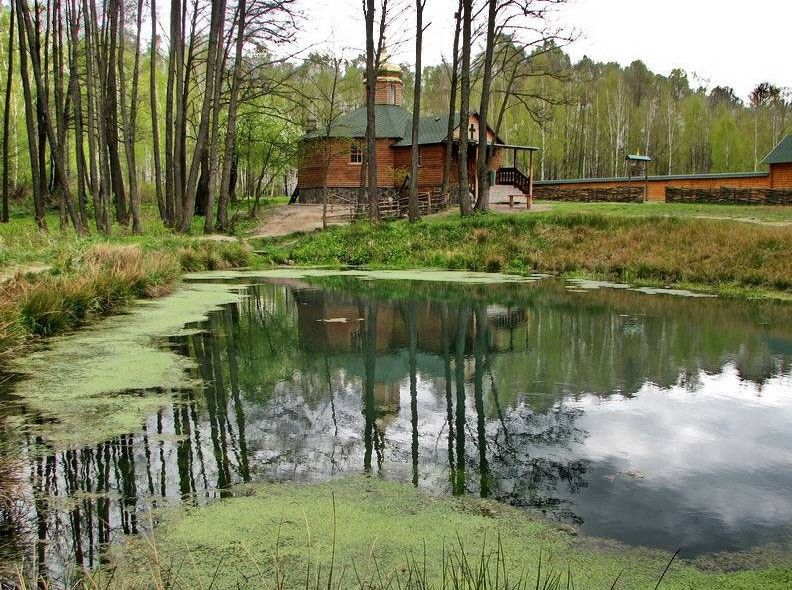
<point x="202" y="188"/>
<point x="215" y="38"/>
<point x="371" y="133"/>
<point x="464" y="108"/>
<point x="213" y="145"/>
<point x="230" y="140"/>
<point x="7" y="110"/>
<point x="30" y="120"/>
<point x="449" y="152"/>
<point x="76" y="98"/>
<point x="482" y="161"/>
<point x="155" y="131"/>
<point x="129" y="113"/>
<point x="35" y="46"/>
<point x="111" y="118"/>
<point x="41" y="98"/>
<point x="171" y="93"/>
<point x="96" y="121"/>
<point x="414" y="210"/>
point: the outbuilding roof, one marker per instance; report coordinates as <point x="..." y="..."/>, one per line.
<point x="782" y="153"/>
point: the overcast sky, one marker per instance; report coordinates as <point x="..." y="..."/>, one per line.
<point x="722" y="42"/>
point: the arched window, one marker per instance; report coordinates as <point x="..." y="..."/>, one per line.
<point x="391" y="94"/>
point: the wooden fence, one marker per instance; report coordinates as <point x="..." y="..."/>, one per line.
<point x="619" y="194"/>
<point x="729" y="196"/>
<point x="343" y="209"/>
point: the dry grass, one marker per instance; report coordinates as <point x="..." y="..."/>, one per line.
<point x="709" y="253"/>
<point x="104" y="278"/>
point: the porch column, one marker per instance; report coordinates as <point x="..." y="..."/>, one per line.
<point x="530" y="178"/>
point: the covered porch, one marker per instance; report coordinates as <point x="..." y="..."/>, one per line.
<point x="519" y="171"/>
<point x="511" y="167"/>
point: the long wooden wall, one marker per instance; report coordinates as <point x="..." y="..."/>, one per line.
<point x="730" y="196"/>
<point x="658" y="186"/>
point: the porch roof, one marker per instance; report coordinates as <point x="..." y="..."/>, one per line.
<point x="509" y="146"/>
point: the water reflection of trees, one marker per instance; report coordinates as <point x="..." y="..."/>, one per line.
<point x="297" y="382"/>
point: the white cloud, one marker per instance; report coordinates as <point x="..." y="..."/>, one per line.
<point x="724" y="42"/>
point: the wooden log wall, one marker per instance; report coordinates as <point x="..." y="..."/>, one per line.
<point x="618" y="194"/>
<point x="730" y="196"/>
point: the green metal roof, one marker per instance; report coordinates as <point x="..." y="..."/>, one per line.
<point x="639" y="158"/>
<point x="641" y="178"/>
<point x="391" y="123"/>
<point x="394" y="122"/>
<point x="430" y="130"/>
<point x="782" y="153"/>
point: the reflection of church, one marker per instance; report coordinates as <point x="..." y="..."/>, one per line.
<point x="335" y="323"/>
<point x="338" y="324"/>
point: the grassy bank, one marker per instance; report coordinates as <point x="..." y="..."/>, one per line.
<point x="770" y="214"/>
<point x="721" y="255"/>
<point x="367" y="533"/>
<point x="51" y="282"/>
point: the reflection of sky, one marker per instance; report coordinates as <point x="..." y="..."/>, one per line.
<point x="706" y="470"/>
<point x="697" y="469"/>
<point x="726" y="424"/>
<point x="699" y="459"/>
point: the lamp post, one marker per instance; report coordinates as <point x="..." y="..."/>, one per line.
<point x="638" y="161"/>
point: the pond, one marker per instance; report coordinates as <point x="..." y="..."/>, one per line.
<point x="655" y="420"/>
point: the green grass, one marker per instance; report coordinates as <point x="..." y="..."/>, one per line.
<point x="367" y="533"/>
<point x="719" y="255"/>
<point x="765" y="213"/>
<point x="22" y="245"/>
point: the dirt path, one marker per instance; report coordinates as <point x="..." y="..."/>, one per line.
<point x="288" y="219"/>
<point x="747" y="220"/>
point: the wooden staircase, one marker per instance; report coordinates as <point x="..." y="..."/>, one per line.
<point x="514" y="177"/>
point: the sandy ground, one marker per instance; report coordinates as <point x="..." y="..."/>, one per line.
<point x="287" y="219"/>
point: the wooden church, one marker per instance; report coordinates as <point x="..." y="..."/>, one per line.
<point x="331" y="158"/>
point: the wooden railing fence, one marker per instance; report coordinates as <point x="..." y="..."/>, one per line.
<point x="340" y="209"/>
<point x="514" y="177"/>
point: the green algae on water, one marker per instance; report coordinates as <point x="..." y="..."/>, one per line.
<point x="101" y="381"/>
<point x="445" y="276"/>
<point x="379" y="525"/>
